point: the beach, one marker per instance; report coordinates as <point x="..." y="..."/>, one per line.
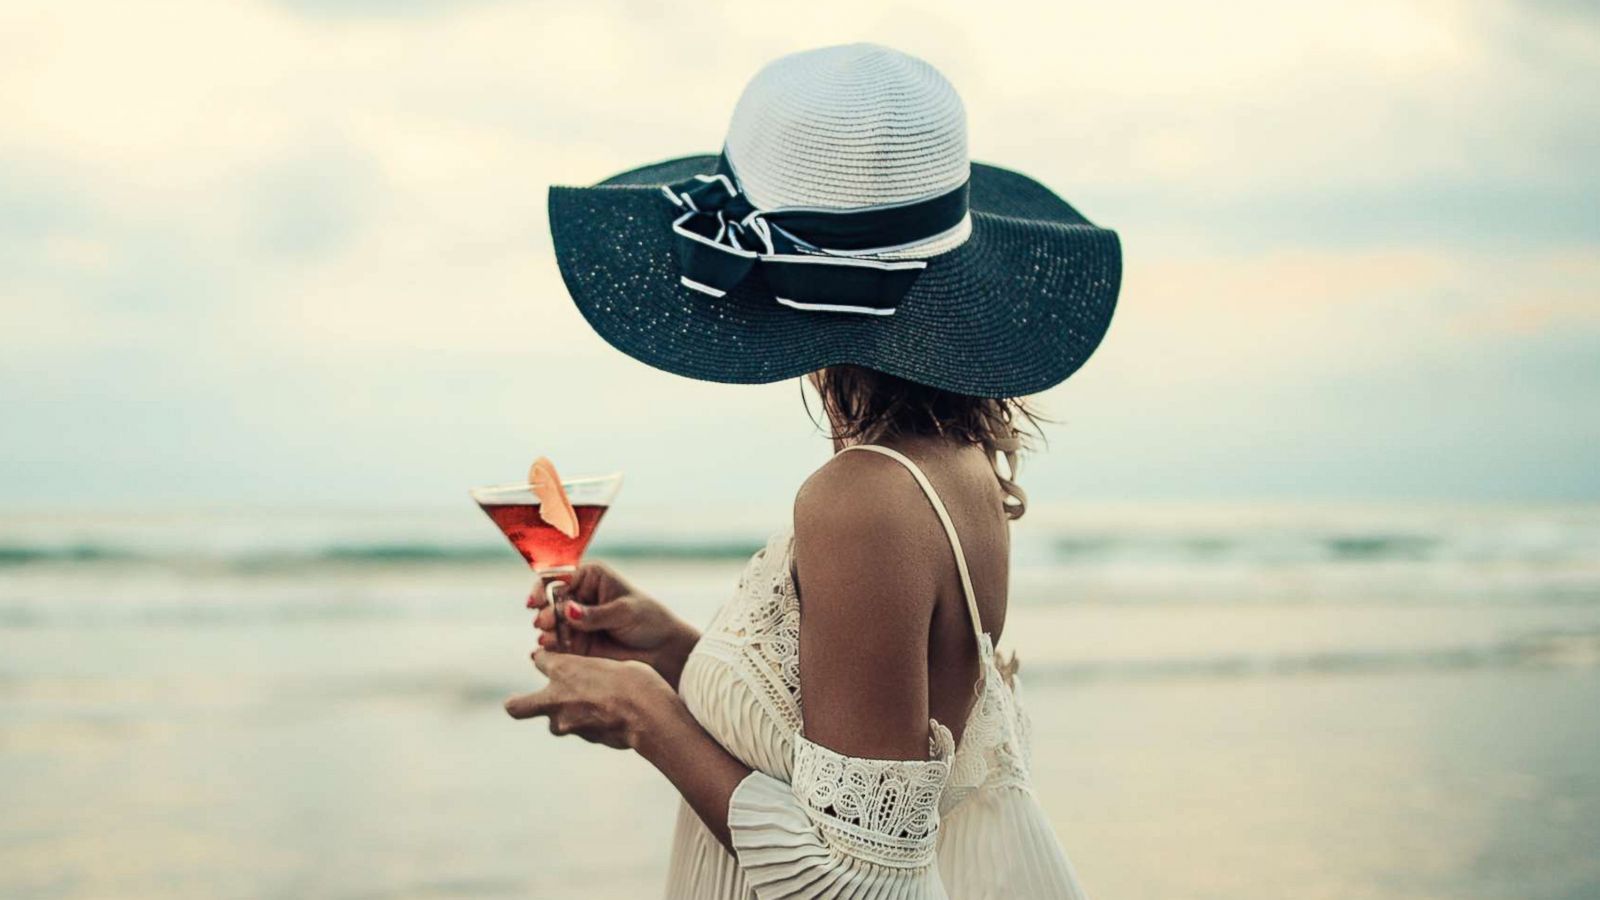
<point x="1228" y="702"/>
<point x="1294" y="304"/>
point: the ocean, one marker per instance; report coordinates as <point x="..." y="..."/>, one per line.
<point x="1229" y="702"/>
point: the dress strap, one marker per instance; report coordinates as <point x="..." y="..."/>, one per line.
<point x="949" y="529"/>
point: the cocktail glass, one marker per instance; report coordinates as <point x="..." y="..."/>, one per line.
<point x="550" y="554"/>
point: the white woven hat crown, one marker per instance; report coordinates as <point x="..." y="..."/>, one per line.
<point x="851" y="127"/>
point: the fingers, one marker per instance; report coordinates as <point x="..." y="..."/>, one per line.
<point x="526" y="706"/>
<point x="593" y="584"/>
<point x="611" y="616"/>
<point x="541" y="702"/>
<point x="549" y="606"/>
<point x="545" y="620"/>
<point x="604" y="617"/>
<point x="570" y="707"/>
<point x="588" y="580"/>
<point x="596" y="583"/>
<point x="566" y="639"/>
<point x="553" y="664"/>
<point x="546" y="593"/>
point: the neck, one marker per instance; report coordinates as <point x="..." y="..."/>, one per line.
<point x="911" y="444"/>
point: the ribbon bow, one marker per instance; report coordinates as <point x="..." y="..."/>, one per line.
<point x="811" y="259"/>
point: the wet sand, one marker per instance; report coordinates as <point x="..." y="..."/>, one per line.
<point x="371" y="759"/>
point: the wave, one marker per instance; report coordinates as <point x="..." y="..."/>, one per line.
<point x="663" y="550"/>
<point x="30" y="554"/>
<point x="1142" y="539"/>
<point x="1072" y="551"/>
<point x="23" y="555"/>
<point x="716" y="550"/>
<point x="709" y="551"/>
<point x="17" y="555"/>
<point x="1570" y="650"/>
<point x="395" y="553"/>
<point x="1275" y="548"/>
<point x="1289" y="548"/>
<point x="1544" y="650"/>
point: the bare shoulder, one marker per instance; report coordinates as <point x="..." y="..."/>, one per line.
<point x="863" y="532"/>
<point x="862" y="518"/>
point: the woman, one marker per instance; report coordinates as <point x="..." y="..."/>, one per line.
<point x="844" y="235"/>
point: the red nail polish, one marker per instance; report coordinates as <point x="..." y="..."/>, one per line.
<point x="574" y="611"/>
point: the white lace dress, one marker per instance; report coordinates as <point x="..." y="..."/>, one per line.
<point x="809" y="822"/>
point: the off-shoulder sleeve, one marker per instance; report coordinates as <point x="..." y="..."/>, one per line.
<point x="845" y="827"/>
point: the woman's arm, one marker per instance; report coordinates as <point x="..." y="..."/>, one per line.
<point x="863" y="637"/>
<point x="867" y="554"/>
<point x="702" y="771"/>
<point x="869" y="588"/>
<point x="859" y="814"/>
<point x="628" y="705"/>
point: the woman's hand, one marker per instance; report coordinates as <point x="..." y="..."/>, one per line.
<point x="604" y="701"/>
<point x="607" y="617"/>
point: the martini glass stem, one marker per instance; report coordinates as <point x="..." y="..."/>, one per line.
<point x="556" y="579"/>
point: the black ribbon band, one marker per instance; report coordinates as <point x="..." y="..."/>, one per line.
<point x="722" y="238"/>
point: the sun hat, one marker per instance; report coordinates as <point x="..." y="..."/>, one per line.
<point x="842" y="223"/>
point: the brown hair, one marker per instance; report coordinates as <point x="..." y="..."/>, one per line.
<point x="864" y="406"/>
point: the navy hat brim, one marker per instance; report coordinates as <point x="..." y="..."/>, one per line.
<point x="1017" y="308"/>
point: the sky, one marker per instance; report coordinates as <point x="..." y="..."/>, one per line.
<point x="294" y="253"/>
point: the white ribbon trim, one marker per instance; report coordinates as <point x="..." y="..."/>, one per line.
<point x="835" y="307"/>
<point x="702" y="288"/>
<point x="677" y="226"/>
<point x="728" y="242"/>
<point x="828" y="259"/>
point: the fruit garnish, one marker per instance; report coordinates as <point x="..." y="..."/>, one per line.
<point x="554" y="507"/>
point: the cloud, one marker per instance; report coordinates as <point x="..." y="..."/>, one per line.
<point x="310" y="205"/>
<point x="304" y="242"/>
<point x="379" y="9"/>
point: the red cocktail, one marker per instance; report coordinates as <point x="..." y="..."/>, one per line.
<point x="543" y="545"/>
<point x="550" y="552"/>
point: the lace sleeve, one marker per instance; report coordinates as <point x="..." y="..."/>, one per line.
<point x="845" y="827"/>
